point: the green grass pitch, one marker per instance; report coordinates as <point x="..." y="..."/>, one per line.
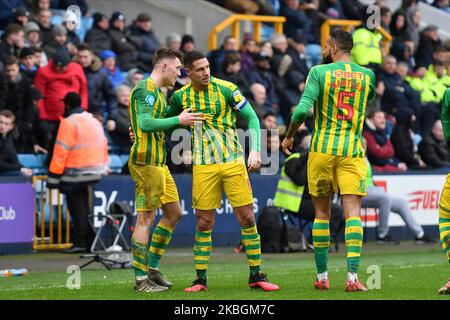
<point x="407" y="271"/>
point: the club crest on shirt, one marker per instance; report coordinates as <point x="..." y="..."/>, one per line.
<point x="150" y="100"/>
<point x="238" y="97"/>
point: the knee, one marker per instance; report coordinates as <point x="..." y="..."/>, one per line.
<point x="145" y="219"/>
<point x="204" y="223"/>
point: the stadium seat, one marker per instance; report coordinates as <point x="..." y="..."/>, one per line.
<point x="115" y="163"/>
<point x="34" y="162"/>
<point x="124" y="158"/>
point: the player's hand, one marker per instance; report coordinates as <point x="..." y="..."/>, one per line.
<point x="189" y="119"/>
<point x="111" y="125"/>
<point x="254" y="161"/>
<point x="286" y="145"/>
<point x="131" y="134"/>
<point x="402" y="166"/>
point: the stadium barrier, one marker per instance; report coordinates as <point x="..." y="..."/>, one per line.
<point x="235" y="22"/>
<point x="49" y="206"/>
<point x="347" y="25"/>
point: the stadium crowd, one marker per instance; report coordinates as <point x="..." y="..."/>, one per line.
<point x="41" y="62"/>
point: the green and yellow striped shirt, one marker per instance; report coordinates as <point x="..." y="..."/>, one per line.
<point x="149" y="148"/>
<point x="216" y="140"/>
<point x="340" y="93"/>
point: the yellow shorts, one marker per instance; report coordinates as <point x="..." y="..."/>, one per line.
<point x="154" y="186"/>
<point x="444" y="204"/>
<point x="208" y="179"/>
<point x="329" y="174"/>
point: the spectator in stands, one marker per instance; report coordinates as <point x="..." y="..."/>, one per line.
<point x="28" y="66"/>
<point x="7" y="11"/>
<point x="31" y="135"/>
<point x="367" y="48"/>
<point x="260" y="73"/>
<point x="434" y="149"/>
<point x="269" y="121"/>
<point x="32" y="35"/>
<point x="40" y="57"/>
<point x="378" y="198"/>
<point x="247" y="51"/>
<point x="258" y="99"/>
<point x="428" y="44"/>
<point x="433" y="85"/>
<point x="18" y="98"/>
<point x="79" y="160"/>
<point x="173" y="40"/>
<point x="3" y="88"/>
<point x="58" y="42"/>
<point x="217" y="56"/>
<point x="297" y="52"/>
<point x="54" y="81"/>
<point x="114" y="73"/>
<point x="43" y="20"/>
<point x="332" y="9"/>
<point x="21" y="17"/>
<point x="97" y="37"/>
<point x="386" y="18"/>
<point x="261" y="7"/>
<point x="64" y="4"/>
<point x="187" y="43"/>
<point x="70" y="22"/>
<point x="289" y="82"/>
<point x="121" y="44"/>
<point x="133" y="77"/>
<point x="413" y="17"/>
<point x="14" y="41"/>
<point x="442" y="5"/>
<point x="298" y="24"/>
<point x="398" y="96"/>
<point x="231" y="71"/>
<point x="380" y="151"/>
<point x="273" y="159"/>
<point x="9" y="164"/>
<point x="405" y="141"/>
<point x="37" y="5"/>
<point x="404" y="52"/>
<point x="398" y="26"/>
<point x="101" y="91"/>
<point x="147" y="43"/>
<point x="120" y="134"/>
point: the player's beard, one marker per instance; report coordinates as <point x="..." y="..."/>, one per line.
<point x="327" y="59"/>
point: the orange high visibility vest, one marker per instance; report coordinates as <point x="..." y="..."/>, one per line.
<point x="81" y="147"/>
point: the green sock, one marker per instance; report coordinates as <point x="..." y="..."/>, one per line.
<point x="353" y="241"/>
<point x="202" y="252"/>
<point x="444" y="232"/>
<point x="252" y="246"/>
<point x="160" y="239"/>
<point x="139" y="252"/>
<point x="321" y="242"/>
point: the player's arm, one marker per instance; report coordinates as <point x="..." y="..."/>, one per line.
<point x="149" y="124"/>
<point x="243" y="107"/>
<point x="445" y="116"/>
<point x="309" y="97"/>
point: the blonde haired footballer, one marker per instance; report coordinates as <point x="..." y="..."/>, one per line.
<point x="155" y="187"/>
<point x="218" y="164"/>
<point x="339" y="91"/>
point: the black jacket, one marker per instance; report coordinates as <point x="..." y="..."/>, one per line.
<point x="98" y="39"/>
<point x="404" y="145"/>
<point x="146" y="43"/>
<point x="19" y="101"/>
<point x="433" y="152"/>
<point x="124" y="48"/>
<point x="100" y="89"/>
<point x="8" y="155"/>
<point x="120" y="135"/>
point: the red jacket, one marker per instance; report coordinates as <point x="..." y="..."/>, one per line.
<point x="54" y="86"/>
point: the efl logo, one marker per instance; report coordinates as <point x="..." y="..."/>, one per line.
<point x="424" y="200"/>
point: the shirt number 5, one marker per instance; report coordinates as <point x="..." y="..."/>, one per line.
<point x="347" y="116"/>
